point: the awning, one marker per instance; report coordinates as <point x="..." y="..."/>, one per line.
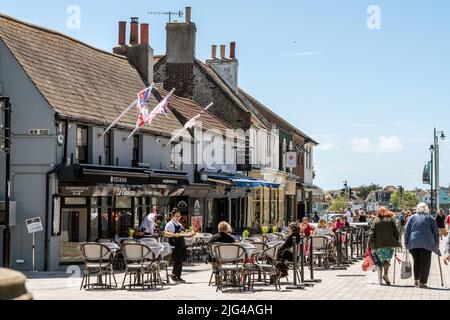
<point x="242" y="182"/>
<point x="175" y="178"/>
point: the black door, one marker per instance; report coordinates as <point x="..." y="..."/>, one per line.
<point x="301" y="211"/>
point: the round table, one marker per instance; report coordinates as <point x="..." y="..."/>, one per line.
<point x="114" y="247"/>
<point x="248" y="247"/>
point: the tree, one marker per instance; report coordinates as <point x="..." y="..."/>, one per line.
<point x="363" y="191"/>
<point x="408" y="202"/>
<point x="340" y="203"/>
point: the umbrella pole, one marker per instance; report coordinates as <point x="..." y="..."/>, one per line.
<point x="395" y="262"/>
<point x="440" y="271"/>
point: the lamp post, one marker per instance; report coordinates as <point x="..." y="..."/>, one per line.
<point x="437" y="135"/>
<point x="6" y="146"/>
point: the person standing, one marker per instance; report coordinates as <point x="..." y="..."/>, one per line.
<point x="448" y="222"/>
<point x="363" y="218"/>
<point x="440" y="221"/>
<point x="148" y="225"/>
<point x="349" y="215"/>
<point x="357" y="217"/>
<point x="175" y="232"/>
<point x="422" y="239"/>
<point x="305" y="228"/>
<point x="383" y="238"/>
<point x="316" y="218"/>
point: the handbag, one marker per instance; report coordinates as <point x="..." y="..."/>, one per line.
<point x="406" y="268"/>
<point x="368" y="261"/>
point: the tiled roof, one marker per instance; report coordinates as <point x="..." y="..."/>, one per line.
<point x="271" y="116"/>
<point x="77" y="80"/>
<point x="188" y="109"/>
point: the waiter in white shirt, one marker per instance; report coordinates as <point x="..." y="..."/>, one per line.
<point x="174" y="231"/>
<point x="149" y="222"/>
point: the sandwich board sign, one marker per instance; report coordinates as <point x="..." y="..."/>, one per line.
<point x="34" y="225"/>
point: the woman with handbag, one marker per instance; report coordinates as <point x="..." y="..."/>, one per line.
<point x="422" y="239"/>
<point x="384" y="236"/>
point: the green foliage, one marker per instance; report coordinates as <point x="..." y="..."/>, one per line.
<point x="364" y="191"/>
<point x="340" y="204"/>
<point x="408" y="202"/>
<point x="265" y="230"/>
<point x="245" y="234"/>
<point x="274" y="229"/>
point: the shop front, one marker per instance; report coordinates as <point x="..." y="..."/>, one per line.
<point x="267" y="201"/>
<point x="96" y="202"/>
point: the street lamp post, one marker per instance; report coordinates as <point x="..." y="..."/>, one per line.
<point x="437" y="135"/>
<point x="431" y="177"/>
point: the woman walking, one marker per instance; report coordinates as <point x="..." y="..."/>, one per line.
<point x="440" y="221"/>
<point x="422" y="239"/>
<point x="383" y="238"/>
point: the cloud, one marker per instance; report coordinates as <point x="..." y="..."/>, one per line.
<point x="327" y="146"/>
<point x="363" y="125"/>
<point x="385" y="145"/>
<point x="362" y="145"/>
<point x="305" y="53"/>
<point x="390" y="144"/>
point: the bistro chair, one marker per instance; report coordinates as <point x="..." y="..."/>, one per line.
<point x="231" y="266"/>
<point x="266" y="264"/>
<point x="214" y="263"/>
<point x="136" y="257"/>
<point x="320" y="246"/>
<point x="164" y="259"/>
<point x="98" y="261"/>
<point x="190" y="250"/>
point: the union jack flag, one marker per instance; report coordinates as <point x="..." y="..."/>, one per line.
<point x="143" y="98"/>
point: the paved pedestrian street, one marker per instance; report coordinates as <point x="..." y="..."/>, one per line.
<point x="350" y="284"/>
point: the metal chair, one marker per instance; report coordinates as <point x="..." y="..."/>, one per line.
<point x="231" y="266"/>
<point x="98" y="260"/>
<point x="320" y="246"/>
<point x="266" y="264"/>
<point x="136" y="257"/>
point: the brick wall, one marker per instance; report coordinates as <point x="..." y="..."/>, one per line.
<point x="181" y="77"/>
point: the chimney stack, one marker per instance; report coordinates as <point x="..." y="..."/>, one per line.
<point x="145" y="33"/>
<point x="214" y="52"/>
<point x="122" y="33"/>
<point x="134" y="34"/>
<point x="188" y="14"/>
<point x="233" y="50"/>
<point x="222" y="52"/>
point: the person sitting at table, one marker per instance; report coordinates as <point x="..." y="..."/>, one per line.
<point x="338" y="225"/>
<point x="345" y="222"/>
<point x="306" y="229"/>
<point x="284" y="254"/>
<point x="224" y="235"/>
<point x="323" y="230"/>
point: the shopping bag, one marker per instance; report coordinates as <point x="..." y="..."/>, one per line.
<point x="368" y="261"/>
<point x="406" y="268"/>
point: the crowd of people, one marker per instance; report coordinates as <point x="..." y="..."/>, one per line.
<point x="420" y="233"/>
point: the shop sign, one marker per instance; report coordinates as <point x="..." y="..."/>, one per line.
<point x="34" y="225"/>
<point x="291" y="159"/>
<point x="197" y="207"/>
<point x="119" y="180"/>
<point x="182" y="205"/>
<point x="77" y="191"/>
<point x="291" y="188"/>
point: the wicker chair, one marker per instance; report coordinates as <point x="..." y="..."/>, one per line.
<point x="266" y="264"/>
<point x="98" y="260"/>
<point x="231" y="265"/>
<point x="136" y="257"/>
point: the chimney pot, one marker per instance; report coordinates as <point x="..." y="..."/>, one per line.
<point x="122" y="32"/>
<point x="188" y="14"/>
<point x="145" y="33"/>
<point x="233" y="50"/>
<point x="134" y="34"/>
<point x="214" y="52"/>
<point x="222" y="52"/>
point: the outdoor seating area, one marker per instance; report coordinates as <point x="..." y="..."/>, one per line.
<point x="141" y="260"/>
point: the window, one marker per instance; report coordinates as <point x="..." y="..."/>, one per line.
<point x="82" y="144"/>
<point x="107" y="149"/>
<point x="136" y="149"/>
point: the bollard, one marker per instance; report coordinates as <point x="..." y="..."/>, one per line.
<point x="12" y="285"/>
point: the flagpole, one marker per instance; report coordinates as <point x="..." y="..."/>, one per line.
<point x="132" y="133"/>
<point x="118" y="118"/>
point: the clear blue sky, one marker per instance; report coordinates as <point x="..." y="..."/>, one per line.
<point x="370" y="97"/>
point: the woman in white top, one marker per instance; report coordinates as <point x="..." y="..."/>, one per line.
<point x="323" y="230"/>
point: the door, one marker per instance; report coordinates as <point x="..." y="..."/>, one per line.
<point x="74" y="231"/>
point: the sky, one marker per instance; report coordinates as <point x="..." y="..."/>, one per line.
<point x="369" y="80"/>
